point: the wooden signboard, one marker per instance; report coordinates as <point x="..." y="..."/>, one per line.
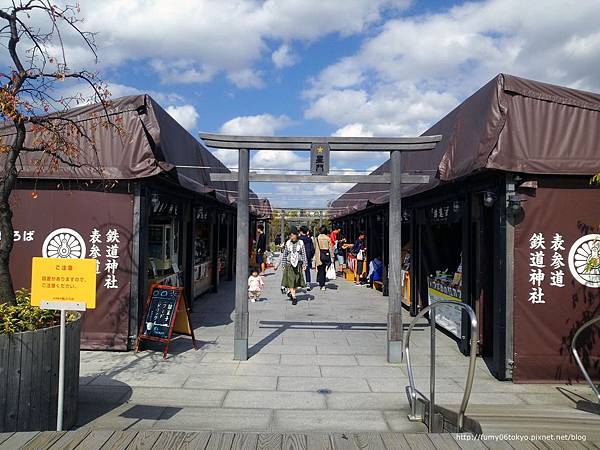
<point x="165" y="313"/>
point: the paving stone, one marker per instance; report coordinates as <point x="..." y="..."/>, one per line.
<point x="287" y="350"/>
<point x="279" y="370"/>
<point x="260" y="358"/>
<point x="446" y="385"/>
<point x="104" y="394"/>
<point x="218" y="419"/>
<point x="398" y="422"/>
<point x="316" y="420"/>
<point x="315" y="384"/>
<point x="362" y="372"/>
<point x="366" y="401"/>
<point x="274" y="400"/>
<point x="129" y="416"/>
<point x="323" y="360"/>
<point x="177" y="397"/>
<point x="245" y="382"/>
<point x="335" y="343"/>
<point x="351" y="350"/>
<point x="376" y="360"/>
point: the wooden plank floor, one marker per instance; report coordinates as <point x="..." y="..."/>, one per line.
<point x="84" y="439"/>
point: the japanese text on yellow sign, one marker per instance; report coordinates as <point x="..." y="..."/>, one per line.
<point x="64" y="280"/>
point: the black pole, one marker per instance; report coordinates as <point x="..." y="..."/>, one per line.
<point x="394" y="345"/>
<point x="240" y="344"/>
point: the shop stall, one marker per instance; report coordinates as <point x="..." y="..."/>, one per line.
<point x="149" y="216"/>
<point x="508" y="225"/>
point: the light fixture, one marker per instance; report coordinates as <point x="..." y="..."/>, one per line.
<point x="514" y="203"/>
<point x="489" y="198"/>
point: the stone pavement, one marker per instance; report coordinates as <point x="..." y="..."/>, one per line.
<point x="317" y="366"/>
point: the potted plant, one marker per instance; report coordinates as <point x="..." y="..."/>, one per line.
<point x="29" y="347"/>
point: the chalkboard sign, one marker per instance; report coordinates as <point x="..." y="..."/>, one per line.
<point x="163" y="304"/>
<point x="165" y="313"/>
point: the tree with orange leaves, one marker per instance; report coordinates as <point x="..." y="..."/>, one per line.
<point x="33" y="99"/>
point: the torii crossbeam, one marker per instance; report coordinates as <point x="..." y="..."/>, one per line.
<point x="395" y="145"/>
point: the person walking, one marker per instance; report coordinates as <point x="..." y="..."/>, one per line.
<point x="323" y="253"/>
<point x="359" y="250"/>
<point x="261" y="248"/>
<point x="310" y="253"/>
<point x="255" y="286"/>
<point x="334" y="233"/>
<point x="294" y="263"/>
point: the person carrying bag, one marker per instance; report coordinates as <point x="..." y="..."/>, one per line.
<point x="323" y="256"/>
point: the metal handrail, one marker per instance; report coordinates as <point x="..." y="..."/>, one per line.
<point x="412" y="391"/>
<point x="578" y="359"/>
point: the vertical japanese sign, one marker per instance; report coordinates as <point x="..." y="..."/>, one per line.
<point x="538" y="269"/>
<point x="556" y="277"/>
<point x="319" y="159"/>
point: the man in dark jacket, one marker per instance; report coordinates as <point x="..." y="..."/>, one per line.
<point x="310" y="253"/>
<point x="261" y="248"/>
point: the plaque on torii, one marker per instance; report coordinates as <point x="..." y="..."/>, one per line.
<point x="320" y="148"/>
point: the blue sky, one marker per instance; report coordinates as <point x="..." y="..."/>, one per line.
<point x="330" y="67"/>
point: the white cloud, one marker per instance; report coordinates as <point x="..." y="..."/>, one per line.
<point x="186" y="115"/>
<point x="226" y="156"/>
<point x="246" y="78"/>
<point x="198" y="39"/>
<point x="258" y="125"/>
<point x="354" y="130"/>
<point x="284" y="57"/>
<point x="416" y="69"/>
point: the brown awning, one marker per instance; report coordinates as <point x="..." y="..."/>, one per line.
<point x="511" y="124"/>
<point x="152" y="143"/>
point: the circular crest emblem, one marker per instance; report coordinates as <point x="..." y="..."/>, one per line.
<point x="584" y="260"/>
<point x="64" y="243"/>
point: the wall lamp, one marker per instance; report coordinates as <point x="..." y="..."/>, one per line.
<point x="514" y="203"/>
<point x="489" y="198"/>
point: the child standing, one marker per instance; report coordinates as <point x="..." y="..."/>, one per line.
<point x="255" y="285"/>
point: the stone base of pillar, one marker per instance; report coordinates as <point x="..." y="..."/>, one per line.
<point x="394" y="352"/>
<point x="240" y="349"/>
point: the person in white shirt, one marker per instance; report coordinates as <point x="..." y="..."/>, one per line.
<point x="255" y="285"/>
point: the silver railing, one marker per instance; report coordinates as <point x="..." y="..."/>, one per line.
<point x="585" y="373"/>
<point x="411" y="390"/>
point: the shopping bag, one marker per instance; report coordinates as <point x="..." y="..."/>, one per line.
<point x="330" y="274"/>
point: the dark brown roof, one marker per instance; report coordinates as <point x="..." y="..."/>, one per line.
<point x="152" y="143"/>
<point x="510" y="124"/>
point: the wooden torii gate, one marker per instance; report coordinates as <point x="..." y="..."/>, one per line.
<point x="395" y="178"/>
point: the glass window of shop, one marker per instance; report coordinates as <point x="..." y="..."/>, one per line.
<point x="164" y="264"/>
<point x="441" y="260"/>
<point x="223" y="224"/>
<point x="203" y="248"/>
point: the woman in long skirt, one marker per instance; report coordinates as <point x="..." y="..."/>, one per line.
<point x="294" y="263"/>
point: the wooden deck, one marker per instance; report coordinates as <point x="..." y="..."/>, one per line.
<point x="179" y="440"/>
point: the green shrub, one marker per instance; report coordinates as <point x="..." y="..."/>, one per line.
<point x="24" y="317"/>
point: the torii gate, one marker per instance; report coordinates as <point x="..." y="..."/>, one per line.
<point x="320" y="147"/>
<point x="285" y="217"/>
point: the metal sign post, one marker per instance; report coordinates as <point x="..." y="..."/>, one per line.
<point x="63" y="307"/>
<point x="56" y="283"/>
<point x="320" y="148"/>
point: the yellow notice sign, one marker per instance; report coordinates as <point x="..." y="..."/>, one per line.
<point x="63" y="280"/>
